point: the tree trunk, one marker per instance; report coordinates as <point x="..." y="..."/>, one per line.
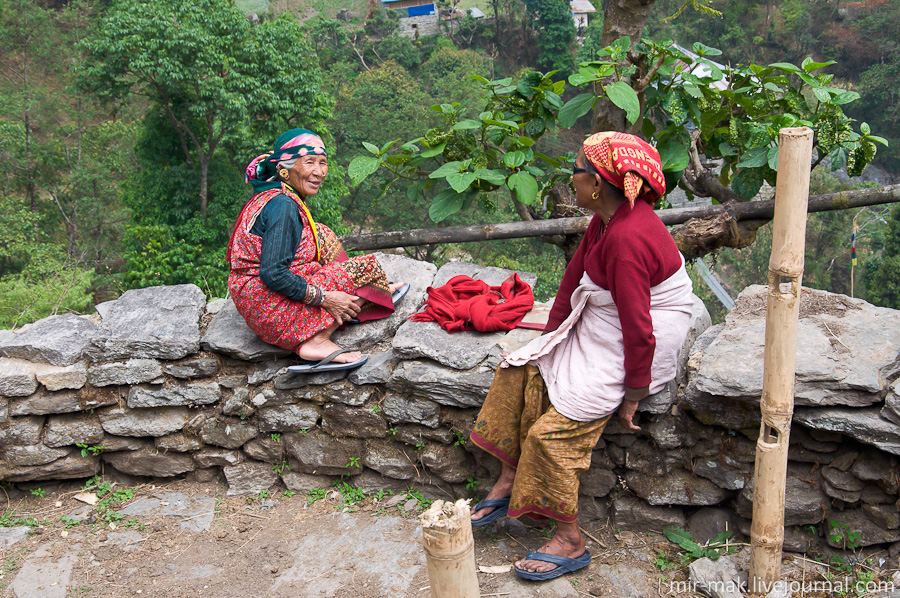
<point x="204" y="183"/>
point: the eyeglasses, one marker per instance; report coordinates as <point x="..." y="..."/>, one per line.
<point x="577" y="169"/>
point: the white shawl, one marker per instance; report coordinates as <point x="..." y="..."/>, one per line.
<point x="583" y="361"/>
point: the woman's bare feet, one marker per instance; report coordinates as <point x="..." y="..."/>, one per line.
<point x="567" y="542"/>
<point x="319" y="346"/>
<point x="502" y="489"/>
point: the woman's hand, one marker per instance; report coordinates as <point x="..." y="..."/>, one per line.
<point x="340" y="305"/>
<point x="629" y="406"/>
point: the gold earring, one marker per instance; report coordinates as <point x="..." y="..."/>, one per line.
<point x="595" y="196"/>
<point x="283" y="173"/>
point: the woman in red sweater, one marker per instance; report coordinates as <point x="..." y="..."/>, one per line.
<point x="612" y="338"/>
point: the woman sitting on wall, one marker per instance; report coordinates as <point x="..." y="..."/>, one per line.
<point x="290" y="277"/>
<point x="613" y="336"/>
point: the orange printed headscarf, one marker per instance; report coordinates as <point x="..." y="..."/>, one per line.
<point x="629" y="163"/>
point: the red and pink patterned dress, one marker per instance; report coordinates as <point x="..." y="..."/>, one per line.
<point x="276" y="318"/>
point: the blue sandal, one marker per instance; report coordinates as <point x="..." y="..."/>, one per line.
<point x="502" y="509"/>
<point x="563" y="564"/>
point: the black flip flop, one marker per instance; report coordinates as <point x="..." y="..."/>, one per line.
<point x="327" y="365"/>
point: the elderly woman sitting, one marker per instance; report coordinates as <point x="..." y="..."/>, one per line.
<point x="290" y="278"/>
<point x="613" y="336"/>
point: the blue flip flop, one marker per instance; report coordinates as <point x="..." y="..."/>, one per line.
<point x="563" y="564"/>
<point x="327" y="365"/>
<point x="502" y="509"/>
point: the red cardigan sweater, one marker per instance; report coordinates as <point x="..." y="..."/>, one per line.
<point x="627" y="257"/>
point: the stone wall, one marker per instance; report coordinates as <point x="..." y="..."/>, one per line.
<point x="159" y="383"/>
<point x="421" y="25"/>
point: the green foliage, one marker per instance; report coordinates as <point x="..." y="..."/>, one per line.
<point x="555" y="29"/>
<point x="840" y="533"/>
<point x="87" y="449"/>
<point x="38" y="492"/>
<point x="315" y="495"/>
<point x="9" y="518"/>
<point x="712" y="550"/>
<point x="883" y="273"/>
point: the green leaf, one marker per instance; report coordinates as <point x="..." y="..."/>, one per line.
<point x="371" y="147"/>
<point x="514" y="159"/>
<point x="388" y="145"/>
<point x="756" y="157"/>
<point x="880" y="140"/>
<point x="494" y="177"/>
<point x="747" y="182"/>
<point x="704" y="50"/>
<point x="865" y="129"/>
<point x="838" y="156"/>
<point x="361" y="167"/>
<point x="822" y="94"/>
<point x="785" y="67"/>
<point x="674" y="156"/>
<point x="772" y="158"/>
<point x="553" y="99"/>
<point x="575" y="109"/>
<point x="622" y="95"/>
<point x="809" y="66"/>
<point x="467" y="124"/>
<point x="581" y="77"/>
<point x="460" y="181"/>
<point x="525" y="186"/>
<point x="844" y="98"/>
<point x="444" y="204"/>
<point x="692" y="90"/>
<point x="525" y="141"/>
<point x="434" y="151"/>
<point x="446" y="169"/>
<point x="479" y="78"/>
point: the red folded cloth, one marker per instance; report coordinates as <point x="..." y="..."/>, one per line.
<point x="468" y="304"/>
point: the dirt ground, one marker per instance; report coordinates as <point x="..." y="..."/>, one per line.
<point x="281" y="545"/>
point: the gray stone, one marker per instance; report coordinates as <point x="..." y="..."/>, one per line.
<point x="676" y="487"/>
<point x="122" y="443"/>
<point x="266" y="449"/>
<point x="238" y="404"/>
<point x="57" y="340"/>
<point x="143" y="422"/>
<point x="361" y="422"/>
<point x="289" y="381"/>
<point x="233" y="382"/>
<point x="17" y="378"/>
<point x="874" y="495"/>
<point x="371" y="482"/>
<point x="390" y="460"/>
<point x="419" y="275"/>
<point x="178" y="442"/>
<point x="832" y="327"/>
<point x="660" y="402"/>
<point x="249" y="478"/>
<point x="43" y="574"/>
<point x="133" y="371"/>
<point x="346" y="393"/>
<point x="34" y="454"/>
<point x="288" y="418"/>
<point x="71" y="467"/>
<point x="267" y="370"/>
<point x="80" y="428"/>
<point x="855" y="521"/>
<point x="891" y="408"/>
<point x="724" y="472"/>
<point x="62" y="377"/>
<point x="597" y="482"/>
<point x="64" y="401"/>
<point x="718" y="579"/>
<point x="666" y="433"/>
<point x="865" y="425"/>
<point x="450" y="462"/>
<point x="303" y="483"/>
<point x="148" y="461"/>
<point x="700" y="323"/>
<point x="228" y="333"/>
<point x="12" y="535"/>
<point x="21" y="431"/>
<point x="198" y="367"/>
<point x="626" y="581"/>
<point x="442" y="385"/>
<point x="884" y="516"/>
<point x="227" y="433"/>
<point x="377" y="370"/>
<point x="876" y="466"/>
<point x="412" y="434"/>
<point x="4" y="409"/>
<point x="804" y="504"/>
<point x="632" y="513"/>
<point x="843" y="480"/>
<point x="415" y="411"/>
<point x="205" y="393"/>
<point x="212" y="457"/>
<point x="319" y="453"/>
<point x="157" y="322"/>
<point x="460" y="350"/>
<point x="194" y="514"/>
<point x="215" y="306"/>
<point x="708" y="522"/>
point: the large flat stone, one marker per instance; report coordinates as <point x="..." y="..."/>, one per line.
<point x="33" y="454"/>
<point x="194" y="514"/>
<point x="133" y="371"/>
<point x="57" y="340"/>
<point x="390" y="459"/>
<point x="64" y="401"/>
<point x="21" y="431"/>
<point x="676" y="487"/>
<point x="45" y="574"/>
<point x="398" y="409"/>
<point x="288" y="418"/>
<point x="419" y="275"/>
<point x="66" y="430"/>
<point x="865" y="425"/>
<point x="156" y="322"/>
<point x="228" y="433"/>
<point x="361" y="422"/>
<point x="322" y="454"/>
<point x="460" y="350"/>
<point x="71" y="467"/>
<point x="377" y="370"/>
<point x="144" y="422"/>
<point x="440" y="384"/>
<point x="63" y="377"/>
<point x="228" y="333"/>
<point x="17" y="378"/>
<point x="171" y="395"/>
<point x="148" y="461"/>
<point x="196" y="367"/>
<point x="249" y="478"/>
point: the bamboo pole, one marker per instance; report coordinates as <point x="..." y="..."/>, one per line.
<point x="782" y="315"/>
<point x="752" y="210"/>
<point x="450" y="550"/>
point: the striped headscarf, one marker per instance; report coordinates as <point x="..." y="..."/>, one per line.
<point x="261" y="172"/>
<point x="629" y="163"/>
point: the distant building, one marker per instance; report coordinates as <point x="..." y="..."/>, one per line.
<point x="417" y="17"/>
<point x="580" y="11"/>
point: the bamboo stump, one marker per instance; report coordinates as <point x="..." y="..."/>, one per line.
<point x="782" y="315"/>
<point x="450" y="550"/>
